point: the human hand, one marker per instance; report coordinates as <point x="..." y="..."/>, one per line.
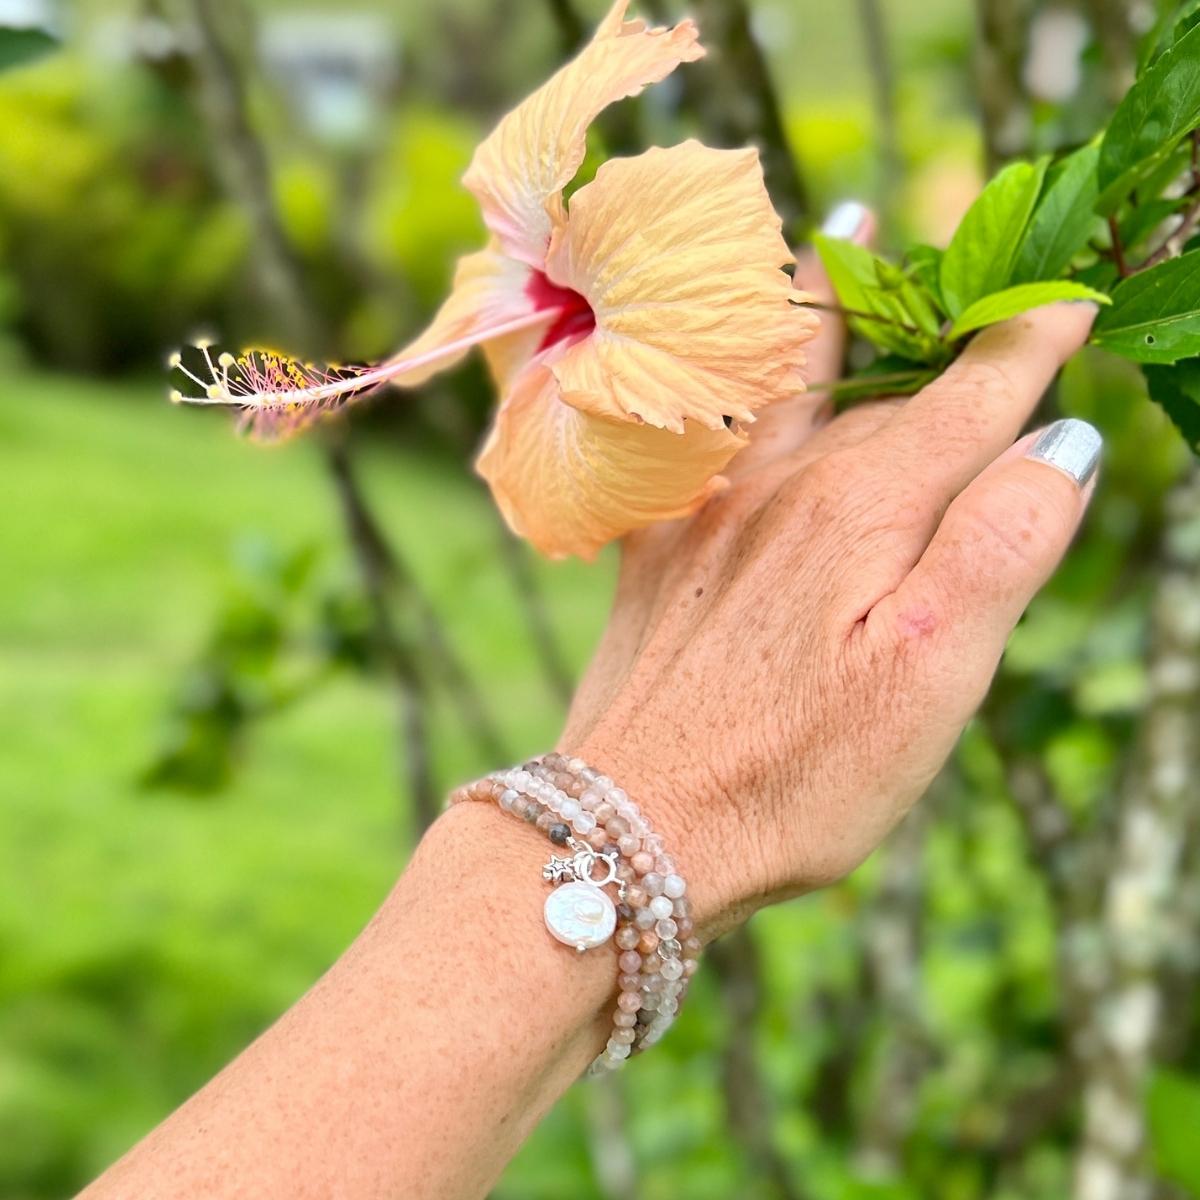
<point x="784" y="672"/>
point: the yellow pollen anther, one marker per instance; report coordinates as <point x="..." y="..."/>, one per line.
<point x="175" y="360"/>
<point x="226" y="360"/>
<point x="214" y="391"/>
<point x="175" y="396"/>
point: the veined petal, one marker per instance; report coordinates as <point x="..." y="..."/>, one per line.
<point x="519" y="171"/>
<point x="490" y="289"/>
<point x="571" y="482"/>
<point x="678" y="251"/>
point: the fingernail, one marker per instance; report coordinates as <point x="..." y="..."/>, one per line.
<point x="1072" y="446"/>
<point x="845" y="220"/>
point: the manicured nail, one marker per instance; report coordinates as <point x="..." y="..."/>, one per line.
<point x="845" y="220"/>
<point x="1072" y="446"/>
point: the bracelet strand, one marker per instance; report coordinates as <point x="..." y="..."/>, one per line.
<point x="600" y="827"/>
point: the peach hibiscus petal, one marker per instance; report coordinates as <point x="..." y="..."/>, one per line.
<point x="490" y="290"/>
<point x="519" y="171"/>
<point x="679" y="253"/>
<point x="571" y="482"/>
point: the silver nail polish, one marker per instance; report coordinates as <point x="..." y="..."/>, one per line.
<point x="845" y="220"/>
<point x="1070" y="445"/>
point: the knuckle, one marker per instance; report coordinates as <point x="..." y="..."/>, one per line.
<point x="1018" y="522"/>
<point x="978" y="378"/>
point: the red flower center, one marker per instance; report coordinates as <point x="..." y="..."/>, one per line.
<point x="575" y="321"/>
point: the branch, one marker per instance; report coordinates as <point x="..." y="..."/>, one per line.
<point x="1158" y="809"/>
<point x="748" y="1101"/>
<point x="1118" y="250"/>
<point x="883" y="95"/>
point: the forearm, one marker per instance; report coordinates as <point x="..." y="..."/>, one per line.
<point x="419" y="1063"/>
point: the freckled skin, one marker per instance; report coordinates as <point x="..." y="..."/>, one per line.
<point x="781" y="676"/>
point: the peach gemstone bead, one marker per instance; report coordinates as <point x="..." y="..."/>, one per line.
<point x="629" y="1002"/>
<point x="642" y="862"/>
<point x="647" y="943"/>
<point x="628" y="846"/>
<point x="635" y="897"/>
<point x="630" y="962"/>
<point x="627" y="938"/>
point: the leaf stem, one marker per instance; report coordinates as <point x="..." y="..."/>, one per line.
<point x="1118" y="250"/>
<point x="1175" y="240"/>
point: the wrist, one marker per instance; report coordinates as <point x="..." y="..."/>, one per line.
<point x="673" y="803"/>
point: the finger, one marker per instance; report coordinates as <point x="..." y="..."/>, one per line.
<point x="784" y="426"/>
<point x="958" y="424"/>
<point x="998" y="543"/>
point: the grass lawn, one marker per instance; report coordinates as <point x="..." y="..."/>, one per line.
<point x="145" y="936"/>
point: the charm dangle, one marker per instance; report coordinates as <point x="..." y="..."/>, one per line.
<point x="578" y="913"/>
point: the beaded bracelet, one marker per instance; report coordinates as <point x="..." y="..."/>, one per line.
<point x="610" y="843"/>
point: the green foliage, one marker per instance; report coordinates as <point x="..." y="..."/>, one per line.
<point x="999" y="306"/>
<point x="1177" y="390"/>
<point x="1155" y="314"/>
<point x="1173" y="1111"/>
<point x="1161" y="109"/>
<point x="983" y="252"/>
<point x="1030" y="239"/>
<point x="21" y="46"/>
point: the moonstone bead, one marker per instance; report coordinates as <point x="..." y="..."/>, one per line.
<point x="545" y="820"/>
<point x="618" y="1049"/>
<point x="671" y="968"/>
<point x="690" y="966"/>
<point x="660" y="906"/>
<point x="629" y="1001"/>
<point x="666" y="928"/>
<point x="644" y="918"/>
<point x="605" y="812"/>
<point x="627" y="938"/>
<point x="641" y="862"/>
<point x="584" y="822"/>
<point x="629" y="983"/>
<point x="630" y="962"/>
<point x="569" y="810"/>
<point x="617" y="826"/>
<point x="674" y="886"/>
<point x="591" y="799"/>
<point x="624" y="1020"/>
<point x="628" y="846"/>
<point x="653" y="884"/>
<point x="597" y="839"/>
<point x="623" y="1037"/>
<point x="506" y="799"/>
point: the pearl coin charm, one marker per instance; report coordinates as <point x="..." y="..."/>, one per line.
<point x="581" y="915"/>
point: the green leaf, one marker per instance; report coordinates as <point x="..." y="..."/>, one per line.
<point x="981" y="255"/>
<point x="1173" y="1113"/>
<point x="1177" y="390"/>
<point x="20" y="46"/>
<point x="1155" y="314"/>
<point x="869" y="285"/>
<point x="999" y="306"/>
<point x="1064" y="219"/>
<point x="1143" y="219"/>
<point x="925" y="262"/>
<point x="1157" y="112"/>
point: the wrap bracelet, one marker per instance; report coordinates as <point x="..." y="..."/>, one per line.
<point x="608" y="844"/>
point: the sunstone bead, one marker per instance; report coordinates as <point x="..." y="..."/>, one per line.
<point x="629" y="1001"/>
<point x="629" y="983"/>
<point x="618" y="827"/>
<point x="674" y="886"/>
<point x="636" y="897"/>
<point x="641" y="862"/>
<point x="628" y="845"/>
<point x="545" y="819"/>
<point x="660" y="906"/>
<point x="648" y="942"/>
<point x="605" y="812"/>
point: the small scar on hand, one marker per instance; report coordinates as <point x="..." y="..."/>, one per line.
<point x="699" y="592"/>
<point x="916" y="623"/>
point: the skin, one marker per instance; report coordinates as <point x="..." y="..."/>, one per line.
<point x="781" y="677"/>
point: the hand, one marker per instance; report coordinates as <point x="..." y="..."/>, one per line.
<point x="784" y="672"/>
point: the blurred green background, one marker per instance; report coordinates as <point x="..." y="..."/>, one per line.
<point x="223" y="718"/>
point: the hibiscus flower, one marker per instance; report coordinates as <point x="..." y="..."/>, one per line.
<point x="632" y="334"/>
